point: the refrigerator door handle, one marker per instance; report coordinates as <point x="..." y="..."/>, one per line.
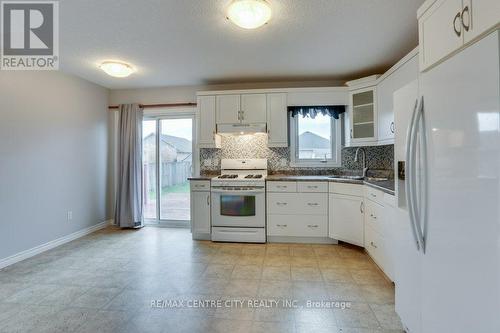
<point x="419" y="205"/>
<point x="409" y="171"/>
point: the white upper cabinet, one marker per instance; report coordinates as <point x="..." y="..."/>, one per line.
<point x="277" y="120"/>
<point x="246" y="109"/>
<point x="479" y="16"/>
<point x="404" y="72"/>
<point x="445" y="26"/>
<point x="363" y="115"/>
<point x="253" y="108"/>
<point x="228" y="109"/>
<point x="206" y="123"/>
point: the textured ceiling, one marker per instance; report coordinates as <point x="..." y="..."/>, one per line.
<point x="189" y="42"/>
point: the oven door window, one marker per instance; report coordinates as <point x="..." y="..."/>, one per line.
<point x="237" y="205"/>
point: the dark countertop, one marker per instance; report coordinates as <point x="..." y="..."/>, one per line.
<point x="385" y="185"/>
<point x="202" y="177"/>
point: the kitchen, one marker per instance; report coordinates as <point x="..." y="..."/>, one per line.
<point x="250" y="166"/>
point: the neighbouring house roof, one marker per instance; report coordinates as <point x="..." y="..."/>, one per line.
<point x="180" y="144"/>
<point x="310" y="140"/>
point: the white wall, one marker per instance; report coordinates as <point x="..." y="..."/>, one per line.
<point x="53" y="158"/>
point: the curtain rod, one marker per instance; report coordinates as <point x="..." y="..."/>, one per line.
<point x="171" y="105"/>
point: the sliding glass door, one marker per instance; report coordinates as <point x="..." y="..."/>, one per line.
<point x="167" y="164"/>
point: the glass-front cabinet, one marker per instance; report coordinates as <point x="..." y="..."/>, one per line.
<point x="363" y="115"/>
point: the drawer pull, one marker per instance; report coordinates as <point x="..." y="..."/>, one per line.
<point x="282" y="186"/>
<point x="313" y="226"/>
<point x="199" y="185"/>
<point x="282" y="225"/>
<point x="312" y="186"/>
<point x="372" y="244"/>
<point x="313" y="204"/>
<point x="282" y="203"/>
<point x="373" y="216"/>
<point x="373" y="195"/>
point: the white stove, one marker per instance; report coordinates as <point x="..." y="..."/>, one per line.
<point x="239" y="201"/>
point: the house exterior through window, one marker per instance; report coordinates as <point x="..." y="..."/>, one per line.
<point x="315" y="142"/>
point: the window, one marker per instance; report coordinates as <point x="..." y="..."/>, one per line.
<point x="315" y="142"/>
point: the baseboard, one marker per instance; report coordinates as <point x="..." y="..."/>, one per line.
<point x="308" y="240"/>
<point x="52" y="244"/>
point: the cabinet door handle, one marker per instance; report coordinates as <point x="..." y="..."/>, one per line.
<point x="208" y="200"/>
<point x="313" y="204"/>
<point x="457" y="32"/>
<point x="282" y="225"/>
<point x="313" y="225"/>
<point x="373" y="195"/>
<point x="351" y="133"/>
<point x="465" y="10"/>
<point x="362" y="207"/>
<point x="392" y="127"/>
<point x="372" y="244"/>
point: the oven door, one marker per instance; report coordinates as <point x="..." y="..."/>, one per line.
<point x="238" y="207"/>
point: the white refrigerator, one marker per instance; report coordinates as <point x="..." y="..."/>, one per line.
<point x="447" y="262"/>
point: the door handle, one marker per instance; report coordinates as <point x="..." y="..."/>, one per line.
<point x="408" y="171"/>
<point x="362" y="207"/>
<point x="465" y="10"/>
<point x="392" y="127"/>
<point x="457" y="32"/>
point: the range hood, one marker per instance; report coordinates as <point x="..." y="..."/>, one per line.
<point x="241" y="129"/>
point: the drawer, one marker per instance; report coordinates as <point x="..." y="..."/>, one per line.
<point x="282" y="203"/>
<point x="347" y="189"/>
<point x="376" y="246"/>
<point x="374" y="216"/>
<point x="312" y="203"/>
<point x="200" y="185"/>
<point x="374" y="243"/>
<point x="374" y="194"/>
<point x="297" y="203"/>
<point x="306" y="187"/>
<point x="281" y="186"/>
<point x="389" y="200"/>
<point x="297" y="226"/>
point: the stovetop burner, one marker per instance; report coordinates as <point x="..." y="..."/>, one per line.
<point x="228" y="176"/>
<point x="253" y="176"/>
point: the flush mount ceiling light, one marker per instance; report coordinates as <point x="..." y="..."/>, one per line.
<point x="249" y="14"/>
<point x="116" y="68"/>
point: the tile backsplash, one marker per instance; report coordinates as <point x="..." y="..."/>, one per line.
<point x="255" y="146"/>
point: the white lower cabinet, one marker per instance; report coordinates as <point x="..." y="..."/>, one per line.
<point x="346" y="215"/>
<point x="297" y="209"/>
<point x="379" y="214"/>
<point x="200" y="209"/>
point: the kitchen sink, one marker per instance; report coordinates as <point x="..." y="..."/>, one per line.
<point x="376" y="179"/>
<point x="347" y="177"/>
<point x="370" y="179"/>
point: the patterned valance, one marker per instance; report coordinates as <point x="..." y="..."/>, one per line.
<point x="312" y="111"/>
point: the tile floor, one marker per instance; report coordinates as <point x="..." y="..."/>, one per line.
<point x="105" y="282"/>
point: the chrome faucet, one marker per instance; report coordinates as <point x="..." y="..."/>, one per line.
<point x="365" y="169"/>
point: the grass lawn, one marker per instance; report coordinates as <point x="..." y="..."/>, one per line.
<point x="179" y="188"/>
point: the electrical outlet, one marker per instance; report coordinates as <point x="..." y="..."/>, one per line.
<point x="70" y="215"/>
